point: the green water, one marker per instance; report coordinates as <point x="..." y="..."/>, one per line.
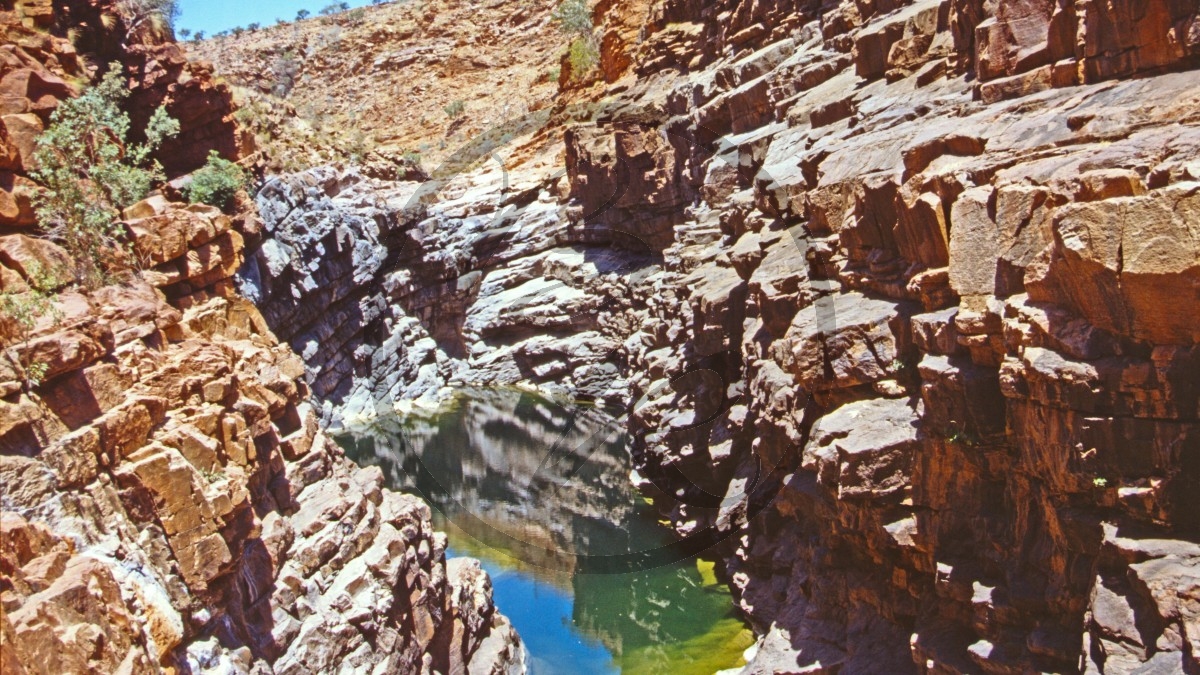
<point x="539" y="491"/>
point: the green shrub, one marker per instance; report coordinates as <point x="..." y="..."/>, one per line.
<point x="573" y="17"/>
<point x="216" y="182"/>
<point x="583" y="56"/>
<point x="22" y="311"/>
<point x="89" y="172"/>
<point x="455" y="109"/>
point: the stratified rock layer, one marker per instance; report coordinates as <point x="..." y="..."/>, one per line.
<point x="902" y="297"/>
<point x="169" y="499"/>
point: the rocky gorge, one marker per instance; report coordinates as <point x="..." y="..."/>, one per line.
<point x="169" y="502"/>
<point x="898" y="300"/>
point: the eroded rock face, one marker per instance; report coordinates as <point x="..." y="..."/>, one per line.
<point x="391" y="293"/>
<point x="40" y="66"/>
<point x="160" y="74"/>
<point x="35" y="73"/>
<point x="914" y="324"/>
<point x="169" y="500"/>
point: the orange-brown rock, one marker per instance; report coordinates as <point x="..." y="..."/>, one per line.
<point x="195" y="494"/>
<point x="63" y="610"/>
<point x="16" y="200"/>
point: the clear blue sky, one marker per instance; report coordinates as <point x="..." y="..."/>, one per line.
<point x="211" y="16"/>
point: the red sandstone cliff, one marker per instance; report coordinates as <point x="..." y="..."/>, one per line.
<point x="167" y="501"/>
<point x="914" y="287"/>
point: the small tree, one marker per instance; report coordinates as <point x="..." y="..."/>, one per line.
<point x="185" y="33"/>
<point x="199" y="35"/>
<point x="89" y="172"/>
<point x="159" y="13"/>
<point x="303" y="14"/>
<point x="254" y="26"/>
<point x="573" y="17"/>
<point x="216" y="182"/>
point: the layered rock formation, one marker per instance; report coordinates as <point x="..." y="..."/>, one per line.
<point x="901" y="296"/>
<point x="391" y="293"/>
<point x="160" y="74"/>
<point x="41" y="66"/>
<point x="180" y="467"/>
<point x="36" y="73"/>
<point x="168" y="501"/>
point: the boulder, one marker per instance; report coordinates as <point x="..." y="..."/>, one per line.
<point x="844" y="340"/>
<point x="863" y="450"/>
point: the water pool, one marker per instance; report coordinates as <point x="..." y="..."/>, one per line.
<point x="539" y="491"/>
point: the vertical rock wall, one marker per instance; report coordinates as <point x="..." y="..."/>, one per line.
<point x="912" y="332"/>
<point x="952" y="317"/>
<point x="168" y="502"/>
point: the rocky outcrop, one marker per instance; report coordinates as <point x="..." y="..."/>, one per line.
<point x="109" y="32"/>
<point x="36" y="72"/>
<point x="390" y="294"/>
<point x="170" y="501"/>
<point x="943" y="501"/>
<point x="40" y="66"/>
<point x="159" y="73"/>
<point x="900" y="296"/>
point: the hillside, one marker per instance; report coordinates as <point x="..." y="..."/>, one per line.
<point x="407" y="78"/>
